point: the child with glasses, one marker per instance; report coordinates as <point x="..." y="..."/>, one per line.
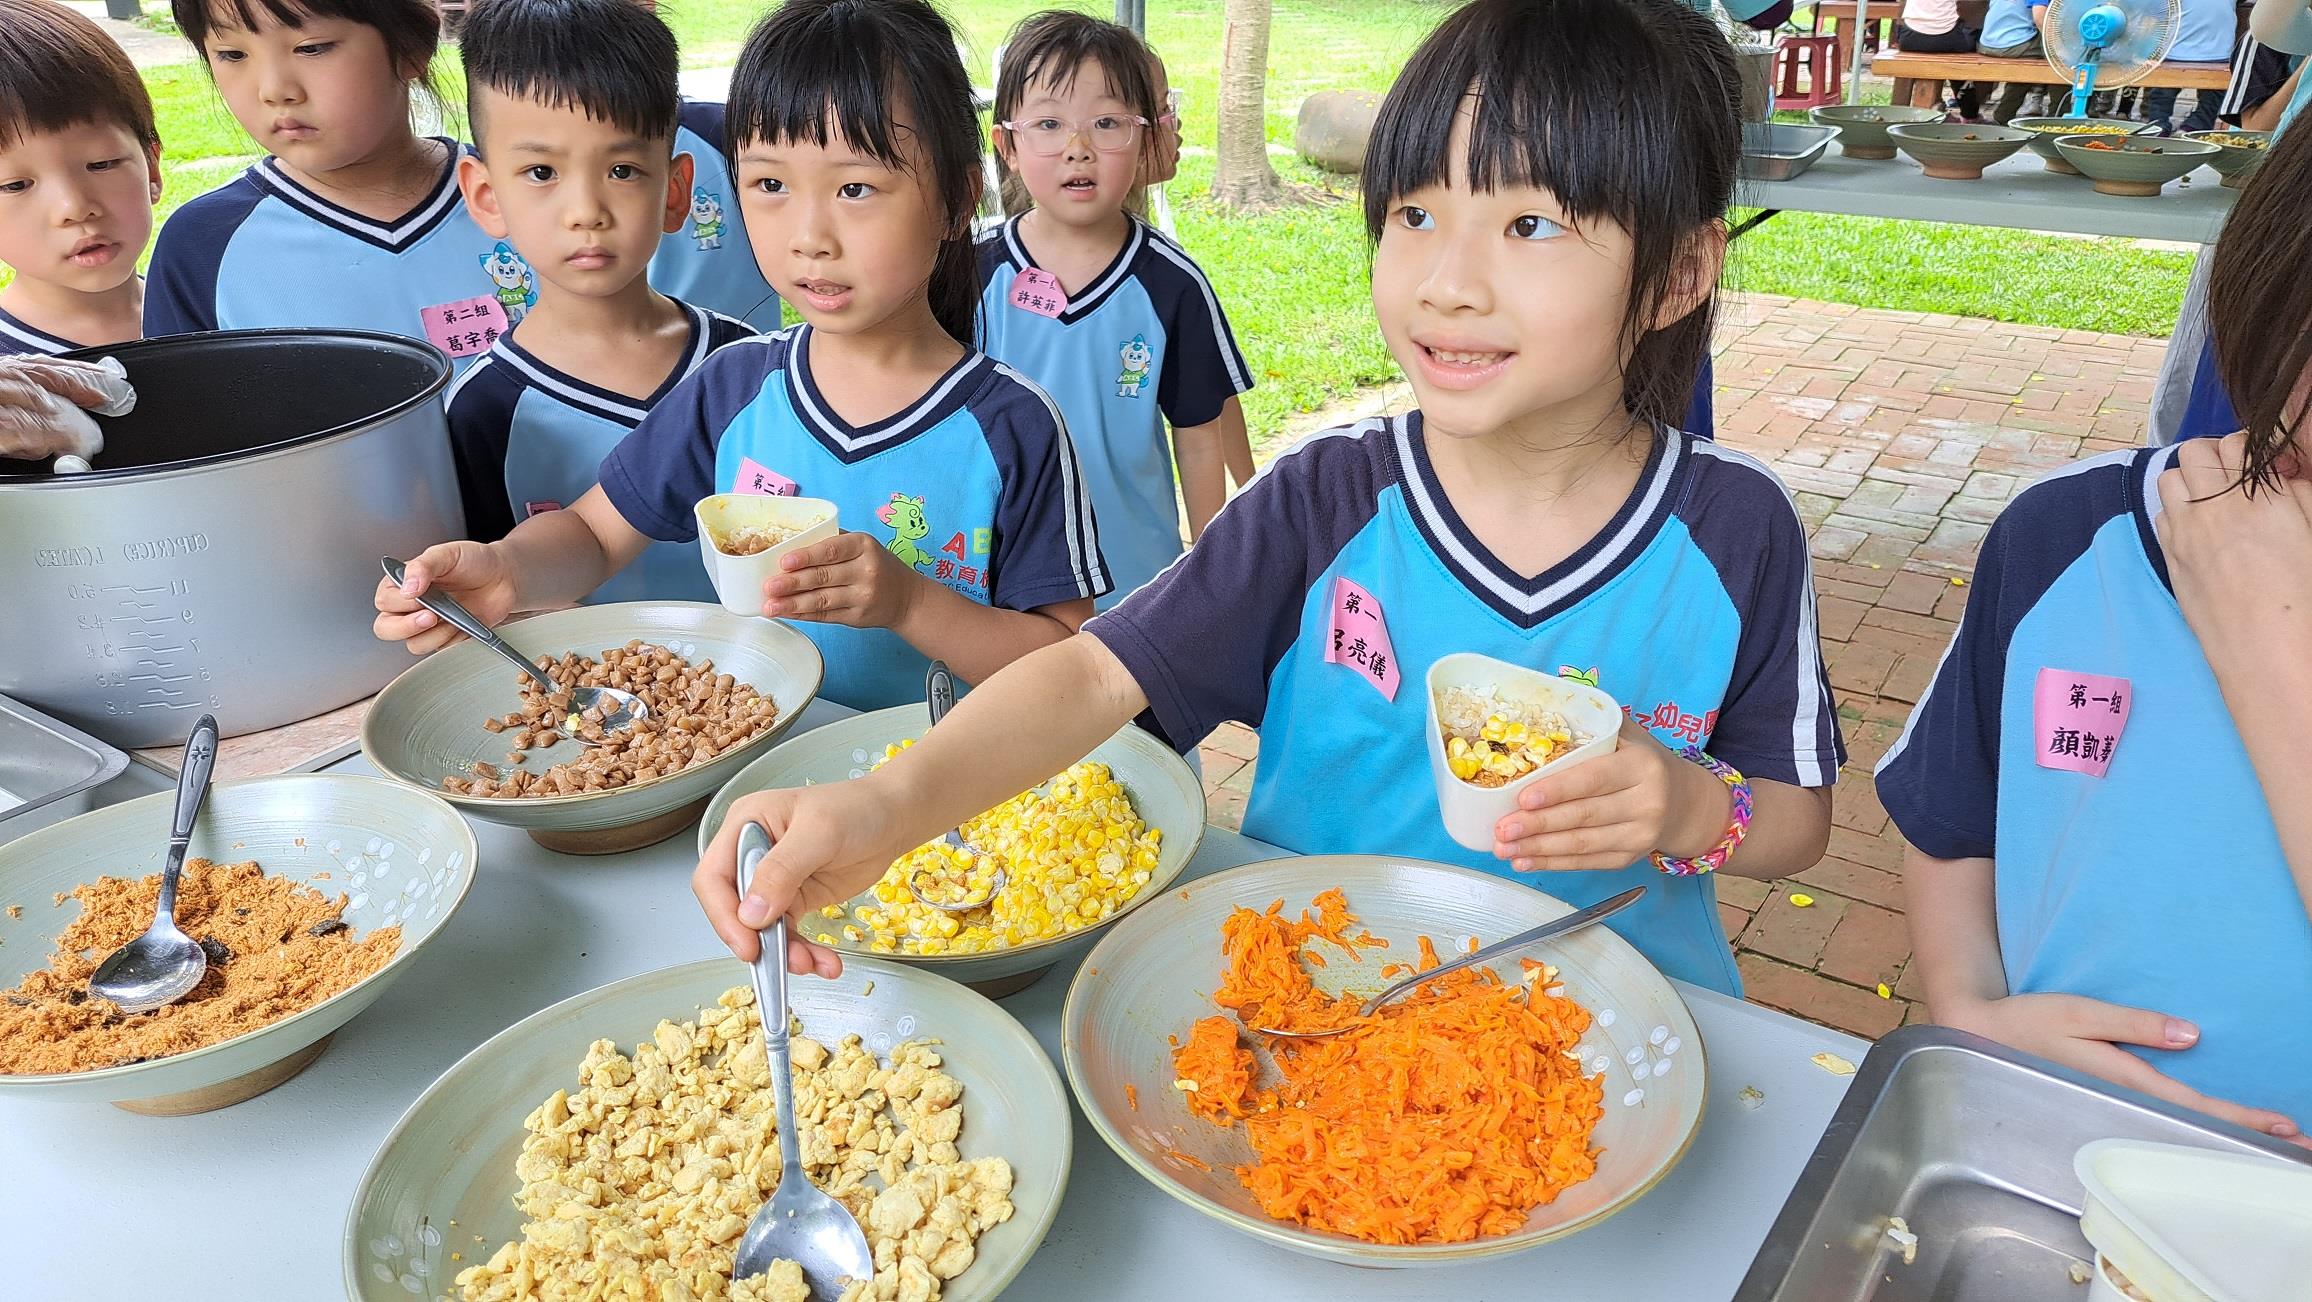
<point x="1108" y="315"/>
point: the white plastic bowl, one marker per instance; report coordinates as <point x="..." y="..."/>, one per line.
<point x="2190" y="1225"/>
<point x="738" y="580"/>
<point x="1470" y="811"/>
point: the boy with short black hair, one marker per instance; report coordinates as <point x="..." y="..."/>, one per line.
<point x="79" y="175"/>
<point x="575" y="110"/>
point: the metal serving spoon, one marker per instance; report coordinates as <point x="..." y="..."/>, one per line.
<point x="620" y="710"/>
<point x="800" y="1223"/>
<point x="939" y="693"/>
<point x="164" y="964"/>
<point x="1574" y="921"/>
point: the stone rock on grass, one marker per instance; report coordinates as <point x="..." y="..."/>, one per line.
<point x="1334" y="127"/>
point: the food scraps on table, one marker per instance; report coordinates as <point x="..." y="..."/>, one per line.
<point x="1451" y="1114"/>
<point x="275" y="946"/>
<point x="641" y="1183"/>
<point x="694" y="714"/>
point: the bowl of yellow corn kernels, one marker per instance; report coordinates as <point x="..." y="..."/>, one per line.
<point x="1074" y="854"/>
<point x="1496" y="728"/>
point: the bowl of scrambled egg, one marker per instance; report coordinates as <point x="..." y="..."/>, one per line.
<point x="615" y="1145"/>
<point x="1074" y="854"/>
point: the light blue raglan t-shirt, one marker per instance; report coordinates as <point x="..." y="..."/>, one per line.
<point x="708" y="262"/>
<point x="1693" y="607"/>
<point x="1144" y="344"/>
<point x="529" y="437"/>
<point x="974" y="485"/>
<point x="2159" y="884"/>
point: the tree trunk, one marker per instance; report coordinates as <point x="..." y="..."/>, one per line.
<point x="1243" y="178"/>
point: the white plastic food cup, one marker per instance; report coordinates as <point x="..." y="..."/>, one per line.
<point x="1470" y="811"/>
<point x="738" y="580"/>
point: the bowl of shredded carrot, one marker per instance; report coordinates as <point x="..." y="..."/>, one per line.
<point x="1492" y="1110"/>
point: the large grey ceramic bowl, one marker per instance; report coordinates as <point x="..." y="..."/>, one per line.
<point x="1956" y="151"/>
<point x="2046" y="131"/>
<point x="2236" y="163"/>
<point x="1153" y="975"/>
<point x="1163" y="789"/>
<point x="1862" y="128"/>
<point x="450" y="1160"/>
<point x="2136" y="167"/>
<point x="427" y="724"/>
<point x="401" y="857"/>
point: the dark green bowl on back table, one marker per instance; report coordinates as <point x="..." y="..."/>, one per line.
<point x="1862" y="128"/>
<point x="1956" y="151"/>
<point x="2238" y="161"/>
<point x="2136" y="168"/>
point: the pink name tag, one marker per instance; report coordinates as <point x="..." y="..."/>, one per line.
<point x="2077" y="718"/>
<point x="1038" y="291"/>
<point x="762" y="481"/>
<point x="539" y="508"/>
<point x="1359" y="637"/>
<point x="465" y="327"/>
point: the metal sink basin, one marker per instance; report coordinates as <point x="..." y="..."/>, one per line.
<point x="1971" y="1144"/>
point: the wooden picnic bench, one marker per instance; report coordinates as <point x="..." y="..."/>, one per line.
<point x="1907" y="68"/>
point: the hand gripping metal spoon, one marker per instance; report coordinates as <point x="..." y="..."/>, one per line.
<point x="164" y="964"/>
<point x="800" y="1223"/>
<point x="620" y="710"/>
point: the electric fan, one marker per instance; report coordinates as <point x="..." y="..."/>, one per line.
<point x="2107" y="44"/>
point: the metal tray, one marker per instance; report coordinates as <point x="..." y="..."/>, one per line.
<point x="1779" y="151"/>
<point x="1970" y="1143"/>
<point x="43" y="761"/>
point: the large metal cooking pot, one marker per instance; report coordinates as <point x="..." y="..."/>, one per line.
<point x="222" y="554"/>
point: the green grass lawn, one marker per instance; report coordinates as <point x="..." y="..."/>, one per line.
<point x="1294" y="282"/>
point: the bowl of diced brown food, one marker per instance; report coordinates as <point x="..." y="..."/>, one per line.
<point x="719" y="690"/>
<point x="2136" y="167"/>
<point x="923" y="1108"/>
<point x="1097" y="841"/>
<point x="1956" y="151"/>
<point x="309" y="893"/>
<point x="2242" y="152"/>
<point x="2046" y="131"/>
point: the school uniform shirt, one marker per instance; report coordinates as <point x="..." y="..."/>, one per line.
<point x="20" y="336"/>
<point x="1693" y="607"/>
<point x="2075" y="735"/>
<point x="974" y="486"/>
<point x="263" y="250"/>
<point x="530" y="438"/>
<point x="2006" y="24"/>
<point x="709" y="262"/>
<point x="1145" y="343"/>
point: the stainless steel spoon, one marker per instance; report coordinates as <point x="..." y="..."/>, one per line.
<point x="164" y="964"/>
<point x="939" y="694"/>
<point x="620" y="710"/>
<point x="800" y="1223"/>
<point x="1574" y="921"/>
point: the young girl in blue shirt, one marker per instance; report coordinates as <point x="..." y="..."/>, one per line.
<point x="968" y="529"/>
<point x="1546" y="188"/>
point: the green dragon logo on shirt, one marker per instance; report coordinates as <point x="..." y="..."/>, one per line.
<point x="904" y="515"/>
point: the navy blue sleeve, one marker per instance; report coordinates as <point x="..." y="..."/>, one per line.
<point x="704" y="119"/>
<point x="1940" y="781"/>
<point x="660" y="471"/>
<point x="1777" y="720"/>
<point x="181" y="281"/>
<point x="1046" y="547"/>
<point x="481" y="418"/>
<point x="723" y="330"/>
<point x="1203" y="367"/>
<point x="1202" y="637"/>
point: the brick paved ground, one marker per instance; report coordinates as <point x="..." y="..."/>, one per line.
<point x="1902" y="435"/>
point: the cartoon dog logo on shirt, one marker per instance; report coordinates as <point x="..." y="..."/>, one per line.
<point x="517" y="285"/>
<point x="706" y="220"/>
<point x="904" y="515"/>
<point x="1137" y="358"/>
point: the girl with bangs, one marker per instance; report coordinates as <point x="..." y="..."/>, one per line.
<point x="352" y="219"/>
<point x="1545" y="189"/>
<point x="969" y="532"/>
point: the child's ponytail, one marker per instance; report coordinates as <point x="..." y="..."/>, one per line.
<point x="820" y="69"/>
